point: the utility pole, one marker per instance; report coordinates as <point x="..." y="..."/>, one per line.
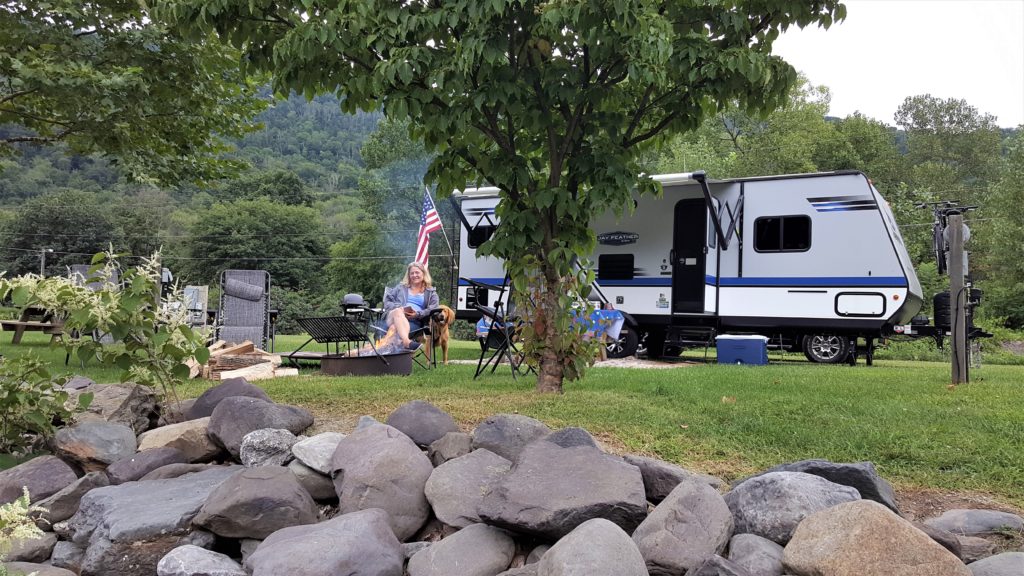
<point x="957" y="297"/>
<point x="42" y="260"/>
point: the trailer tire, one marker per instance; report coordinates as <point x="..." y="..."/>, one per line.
<point x="623" y="346"/>
<point x="826" y="348"/>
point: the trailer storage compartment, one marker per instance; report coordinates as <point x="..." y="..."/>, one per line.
<point x="742" y="349"/>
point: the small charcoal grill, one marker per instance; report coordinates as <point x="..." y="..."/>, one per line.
<point x="396" y="364"/>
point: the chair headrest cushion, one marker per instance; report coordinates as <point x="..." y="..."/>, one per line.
<point x="243" y="290"/>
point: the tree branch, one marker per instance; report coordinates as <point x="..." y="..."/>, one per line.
<point x="14" y="95"/>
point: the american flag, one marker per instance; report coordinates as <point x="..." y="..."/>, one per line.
<point x="429" y="222"/>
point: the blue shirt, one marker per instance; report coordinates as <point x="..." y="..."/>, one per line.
<point x="416" y="301"/>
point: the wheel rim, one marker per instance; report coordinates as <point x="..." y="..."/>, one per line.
<point x="616" y="346"/>
<point x="826" y="347"/>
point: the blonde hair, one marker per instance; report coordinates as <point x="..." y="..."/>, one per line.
<point x="427" y="280"/>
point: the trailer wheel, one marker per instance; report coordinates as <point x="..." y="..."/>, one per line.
<point x="623" y="346"/>
<point x="826" y="348"/>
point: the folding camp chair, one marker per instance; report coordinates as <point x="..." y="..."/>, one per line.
<point x="502" y="327"/>
<point x="380" y="327"/>
<point x="244" y="307"/>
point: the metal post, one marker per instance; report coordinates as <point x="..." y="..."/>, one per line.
<point x="957" y="298"/>
<point x="42" y="260"/>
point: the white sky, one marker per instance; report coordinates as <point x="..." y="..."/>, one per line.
<point x="887" y="50"/>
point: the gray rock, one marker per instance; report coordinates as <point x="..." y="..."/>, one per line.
<point x="477" y="550"/>
<point x="976" y="522"/>
<point x="316" y="451"/>
<point x="320" y="487"/>
<point x="360" y="543"/>
<point x="130" y="404"/>
<point x="718" y="566"/>
<point x="771" y="505"/>
<point x="552" y="490"/>
<point x="23" y="568"/>
<point x="409" y="549"/>
<point x="691" y="524"/>
<point x="236" y="416"/>
<point x="126" y="529"/>
<point x="94" y="445"/>
<point x="207" y="401"/>
<point x="42" y="475"/>
<point x="192" y="560"/>
<point x="422" y="422"/>
<point x="527" y="570"/>
<point x="68" y="555"/>
<point x="78" y="382"/>
<point x="142" y="463"/>
<point x="246" y="546"/>
<point x="571" y="437"/>
<point x="32" y="549"/>
<point x="267" y="447"/>
<point x="507" y="434"/>
<point x="537" y="553"/>
<point x="661" y="477"/>
<point x="596" y="547"/>
<point x="948" y="540"/>
<point x="62" y="530"/>
<point x="366" y="421"/>
<point x="449" y="447"/>
<point x="380" y="467"/>
<point x="176" y="470"/>
<point x="859" y="475"/>
<point x="190" y="437"/>
<point x="973" y="548"/>
<point x="759" y="556"/>
<point x="456" y="488"/>
<point x="865" y="537"/>
<point x="1005" y="564"/>
<point x="173" y="412"/>
<point x="255" y="503"/>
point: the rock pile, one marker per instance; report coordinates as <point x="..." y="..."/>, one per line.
<point x="234" y="490"/>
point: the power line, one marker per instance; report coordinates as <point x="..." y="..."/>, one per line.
<point x="234" y="258"/>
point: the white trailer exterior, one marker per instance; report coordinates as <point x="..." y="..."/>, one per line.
<point x="810" y="260"/>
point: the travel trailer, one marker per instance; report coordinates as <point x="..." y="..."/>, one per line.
<point x="814" y="262"/>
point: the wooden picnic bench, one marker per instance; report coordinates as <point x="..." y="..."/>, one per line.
<point x="26" y="323"/>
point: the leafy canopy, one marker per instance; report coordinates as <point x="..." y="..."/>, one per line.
<point x="550" y="101"/>
<point x="103" y="76"/>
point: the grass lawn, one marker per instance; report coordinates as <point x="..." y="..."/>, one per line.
<point x="725" y="420"/>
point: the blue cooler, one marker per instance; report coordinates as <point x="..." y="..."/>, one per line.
<point x="742" y="349"/>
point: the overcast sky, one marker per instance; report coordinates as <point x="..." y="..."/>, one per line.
<point x="887" y="50"/>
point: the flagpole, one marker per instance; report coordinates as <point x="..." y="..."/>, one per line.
<point x="451" y="252"/>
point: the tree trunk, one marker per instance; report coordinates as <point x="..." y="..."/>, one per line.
<point x="550" y="372"/>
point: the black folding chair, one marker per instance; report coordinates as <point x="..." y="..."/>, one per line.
<point x="502" y="327"/>
<point x="380" y="326"/>
<point x="335" y="330"/>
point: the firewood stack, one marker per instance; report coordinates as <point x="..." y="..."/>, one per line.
<point x="243" y="360"/>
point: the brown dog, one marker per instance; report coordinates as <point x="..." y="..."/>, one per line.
<point x="439" y="329"/>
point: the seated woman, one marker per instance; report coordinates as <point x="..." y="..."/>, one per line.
<point x="408" y="306"/>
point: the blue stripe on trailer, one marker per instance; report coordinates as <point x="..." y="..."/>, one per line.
<point x="750" y="282"/>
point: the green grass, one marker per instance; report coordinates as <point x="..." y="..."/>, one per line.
<point x="725" y="420"/>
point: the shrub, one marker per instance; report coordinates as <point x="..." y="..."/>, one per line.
<point x="15" y="524"/>
<point x="30" y="402"/>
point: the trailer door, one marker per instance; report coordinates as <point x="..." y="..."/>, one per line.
<point x="688" y="255"/>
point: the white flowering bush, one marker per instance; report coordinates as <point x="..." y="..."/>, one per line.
<point x="15" y="524"/>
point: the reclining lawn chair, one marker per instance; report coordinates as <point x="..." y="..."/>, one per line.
<point x="502" y="325"/>
<point x="244" y="307"/>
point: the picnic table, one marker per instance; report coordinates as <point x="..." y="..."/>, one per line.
<point x="33" y="320"/>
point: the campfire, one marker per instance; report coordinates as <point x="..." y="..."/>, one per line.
<point x="386" y="345"/>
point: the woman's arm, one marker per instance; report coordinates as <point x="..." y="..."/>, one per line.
<point x="392" y="298"/>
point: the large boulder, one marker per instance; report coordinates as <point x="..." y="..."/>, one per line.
<point x="864" y="537"/>
<point x="94" y="445"/>
<point x="189" y="560"/>
<point x="690" y="525"/>
<point x="236" y="416"/>
<point x="718" y="566"/>
<point x="507" y="434"/>
<point x="859" y="475"/>
<point x="380" y="467"/>
<point x="773" y="504"/>
<point x="422" y="422"/>
<point x="68" y="555"/>
<point x="64" y="504"/>
<point x="759" y="556"/>
<point x="661" y="477"/>
<point x="24" y="568"/>
<point x="207" y="401"/>
<point x="1005" y="564"/>
<point x="319" y="486"/>
<point x="255" y="503"/>
<point x="36" y="549"/>
<point x="190" y="437"/>
<point x="360" y="543"/>
<point x="477" y="550"/>
<point x="973" y="548"/>
<point x="316" y="451"/>
<point x="449" y="447"/>
<point x="551" y="490"/>
<point x="176" y="470"/>
<point x="127" y="529"/>
<point x="948" y="540"/>
<point x="267" y="447"/>
<point x="130" y="404"/>
<point x="572" y="437"/>
<point x="456" y="488"/>
<point x="596" y="547"/>
<point x="976" y="522"/>
<point x="141" y="463"/>
<point x="43" y="476"/>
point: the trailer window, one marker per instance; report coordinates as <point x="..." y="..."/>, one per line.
<point x="479" y="234"/>
<point x="615" y="267"/>
<point x="782" y="234"/>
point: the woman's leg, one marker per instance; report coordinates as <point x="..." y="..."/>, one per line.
<point x="397" y="319"/>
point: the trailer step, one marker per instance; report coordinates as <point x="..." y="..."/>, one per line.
<point x="691" y="337"/>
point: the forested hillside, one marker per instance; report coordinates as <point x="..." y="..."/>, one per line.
<point x="331" y="202"/>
